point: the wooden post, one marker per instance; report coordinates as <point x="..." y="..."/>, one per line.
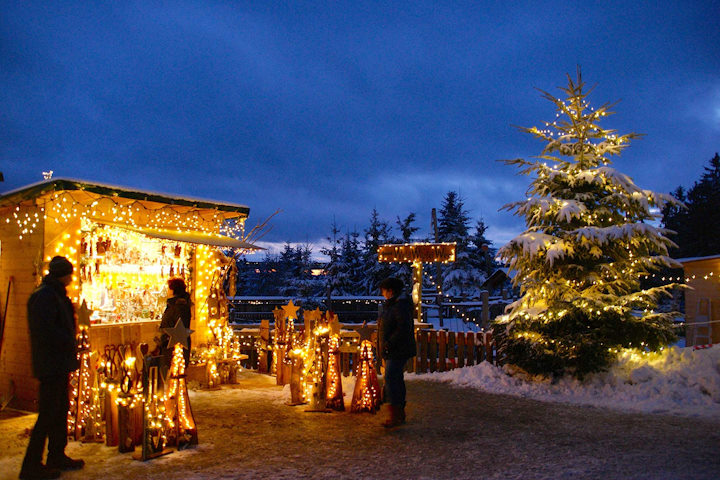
<point x="264" y="346"/>
<point x="442" y="350"/>
<point x="460" y="338"/>
<point x="423" y="364"/>
<point x="126" y="429"/>
<point x="451" y="353"/>
<point x="470" y="348"/>
<point x="488" y="341"/>
<point x="438" y="268"/>
<point x="432" y="350"/>
<point x="417" y="290"/>
<point x="111" y="419"/>
<point x="345" y="363"/>
<point x="485" y="319"/>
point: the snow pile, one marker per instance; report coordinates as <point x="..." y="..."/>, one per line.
<point x="678" y="381"/>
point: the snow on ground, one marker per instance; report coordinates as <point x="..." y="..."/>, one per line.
<point x="491" y="436"/>
<point x="679" y="381"/>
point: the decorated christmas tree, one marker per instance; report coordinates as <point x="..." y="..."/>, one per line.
<point x="589" y="241"/>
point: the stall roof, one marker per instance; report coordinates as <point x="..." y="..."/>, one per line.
<point x="192" y="237"/>
<point x="39" y="189"/>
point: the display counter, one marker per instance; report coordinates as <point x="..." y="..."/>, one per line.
<point x="138" y="332"/>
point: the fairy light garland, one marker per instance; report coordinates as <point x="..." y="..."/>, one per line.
<point x="63" y="207"/>
<point x="467" y="319"/>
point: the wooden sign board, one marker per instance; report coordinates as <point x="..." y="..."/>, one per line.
<point x="417" y="252"/>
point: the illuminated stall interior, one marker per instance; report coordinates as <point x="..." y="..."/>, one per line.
<point x="125" y="244"/>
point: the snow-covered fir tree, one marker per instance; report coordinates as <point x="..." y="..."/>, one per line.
<point x="333" y="253"/>
<point x="295" y="267"/>
<point x="463" y="277"/>
<point x="482" y="254"/>
<point x="588" y="243"/>
<point x="350" y="268"/>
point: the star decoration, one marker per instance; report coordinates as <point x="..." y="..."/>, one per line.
<point x="178" y="334"/>
<point x="290" y="310"/>
<point x="83" y="315"/>
<point x="366" y="332"/>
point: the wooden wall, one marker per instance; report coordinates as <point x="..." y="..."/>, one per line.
<point x="18" y="259"/>
<point x="702" y="288"/>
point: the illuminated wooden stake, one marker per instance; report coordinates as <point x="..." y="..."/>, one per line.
<point x="366" y="397"/>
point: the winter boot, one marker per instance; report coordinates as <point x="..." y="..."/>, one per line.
<point x="401" y="413"/>
<point x="394" y="419"/>
<point x="63" y="462"/>
<point x="38" y="471"/>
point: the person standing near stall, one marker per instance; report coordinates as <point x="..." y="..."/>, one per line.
<point x="179" y="307"/>
<point x="51" y="321"/>
<point x="398" y="345"/>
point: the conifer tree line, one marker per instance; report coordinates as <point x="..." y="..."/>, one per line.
<point x="697" y="223"/>
<point x="352" y="268"/>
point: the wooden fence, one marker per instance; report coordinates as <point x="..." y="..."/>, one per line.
<point x="437" y="351"/>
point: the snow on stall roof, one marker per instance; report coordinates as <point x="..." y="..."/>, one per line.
<point x="64" y="180"/>
<point x="696" y="259"/>
<point x="677" y="381"/>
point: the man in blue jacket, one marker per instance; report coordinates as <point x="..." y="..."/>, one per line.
<point x="51" y="320"/>
<point x="398" y="345"/>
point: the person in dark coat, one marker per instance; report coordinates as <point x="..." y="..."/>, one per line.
<point x="179" y="307"/>
<point x="398" y="345"/>
<point x="51" y="320"/>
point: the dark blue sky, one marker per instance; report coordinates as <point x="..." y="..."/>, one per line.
<point x="330" y="109"/>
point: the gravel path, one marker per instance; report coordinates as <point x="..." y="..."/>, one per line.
<point x="247" y="432"/>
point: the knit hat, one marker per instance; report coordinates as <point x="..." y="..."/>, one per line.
<point x="60" y="266"/>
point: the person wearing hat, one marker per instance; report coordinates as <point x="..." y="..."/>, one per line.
<point x="398" y="345"/>
<point x="51" y="320"/>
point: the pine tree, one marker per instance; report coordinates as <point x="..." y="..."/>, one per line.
<point x="482" y="255"/>
<point x="407" y="229"/>
<point x="697" y="226"/>
<point x="459" y="278"/>
<point x="453" y="220"/>
<point x="332" y="251"/>
<point x="587" y="244"/>
<point x="377" y="233"/>
<point x="268" y="279"/>
<point x="295" y="272"/>
<point x="350" y="271"/>
<point x="675" y="220"/>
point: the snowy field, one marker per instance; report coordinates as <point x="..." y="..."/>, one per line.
<point x="652" y="417"/>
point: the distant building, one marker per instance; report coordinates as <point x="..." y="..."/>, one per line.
<point x="702" y="300"/>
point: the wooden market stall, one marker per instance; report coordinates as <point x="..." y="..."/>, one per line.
<point x="702" y="299"/>
<point x="124" y="244"/>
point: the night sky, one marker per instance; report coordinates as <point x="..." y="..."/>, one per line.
<point x="327" y="110"/>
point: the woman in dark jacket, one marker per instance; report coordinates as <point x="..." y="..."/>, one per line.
<point x="178" y="307"/>
<point x="398" y="345"/>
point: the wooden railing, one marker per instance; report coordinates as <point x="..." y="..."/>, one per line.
<point x="437" y="351"/>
